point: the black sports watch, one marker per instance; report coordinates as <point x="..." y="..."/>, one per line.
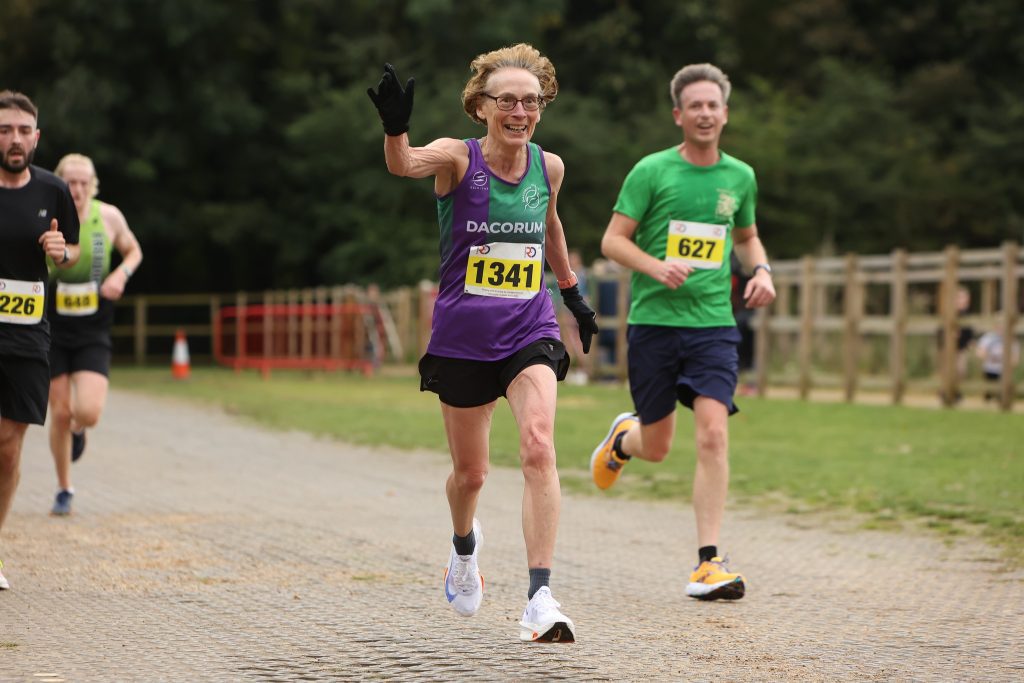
<point x="761" y="266"/>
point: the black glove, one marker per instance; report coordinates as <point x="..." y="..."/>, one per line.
<point x="393" y="104"/>
<point x="586" y="319"/>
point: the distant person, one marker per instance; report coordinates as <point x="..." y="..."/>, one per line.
<point x="81" y="314"/>
<point x="494" y="331"/>
<point x="964" y="336"/>
<point x="678" y="217"/>
<point x="744" y="324"/>
<point x="990" y="350"/>
<point x="37" y="219"/>
<point x="603" y="276"/>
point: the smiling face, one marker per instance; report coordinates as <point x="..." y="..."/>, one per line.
<point x="702" y="114"/>
<point x="510" y="127"/>
<point x="18" y="139"/>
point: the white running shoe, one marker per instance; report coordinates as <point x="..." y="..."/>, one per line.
<point x="3" y="582"/>
<point x="463" y="584"/>
<point x="543" y="622"/>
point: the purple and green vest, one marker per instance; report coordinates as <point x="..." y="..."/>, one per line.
<point x="491" y="299"/>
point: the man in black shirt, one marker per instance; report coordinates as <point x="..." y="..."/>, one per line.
<point x="37" y="219"/>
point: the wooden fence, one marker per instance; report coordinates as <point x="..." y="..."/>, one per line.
<point x="880" y="323"/>
<point x="897" y="297"/>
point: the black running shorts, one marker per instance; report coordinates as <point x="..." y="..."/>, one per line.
<point x="24" y="389"/>
<point x="469" y="383"/>
<point x="65" y="360"/>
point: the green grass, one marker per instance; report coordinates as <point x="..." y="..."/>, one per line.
<point x="954" y="470"/>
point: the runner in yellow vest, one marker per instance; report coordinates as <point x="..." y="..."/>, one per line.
<point x="81" y="315"/>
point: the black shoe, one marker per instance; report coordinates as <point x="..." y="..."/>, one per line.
<point x="77" y="445"/>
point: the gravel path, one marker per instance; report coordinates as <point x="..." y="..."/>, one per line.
<point x="205" y="548"/>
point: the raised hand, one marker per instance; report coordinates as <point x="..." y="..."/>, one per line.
<point x="53" y="243"/>
<point x="585" y="316"/>
<point x="393" y="103"/>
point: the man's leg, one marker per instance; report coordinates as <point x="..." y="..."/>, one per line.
<point x="711" y="580"/>
<point x="88" y="398"/>
<point x="711" y="480"/>
<point x="12" y="435"/>
<point x="60" y="429"/>
<point x="651" y="442"/>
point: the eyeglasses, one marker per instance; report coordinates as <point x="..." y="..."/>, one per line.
<point x="508" y="103"/>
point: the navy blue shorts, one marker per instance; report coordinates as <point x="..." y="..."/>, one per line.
<point x="669" y="364"/>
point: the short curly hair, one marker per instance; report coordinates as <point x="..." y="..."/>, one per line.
<point x="520" y="56"/>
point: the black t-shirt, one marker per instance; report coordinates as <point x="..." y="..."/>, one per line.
<point x="25" y="214"/>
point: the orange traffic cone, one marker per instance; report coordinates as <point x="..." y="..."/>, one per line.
<point x="180" y="364"/>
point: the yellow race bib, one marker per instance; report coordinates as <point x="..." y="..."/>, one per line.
<point x="698" y="245"/>
<point x="21" y="302"/>
<point x="77" y="299"/>
<point x="505" y="269"/>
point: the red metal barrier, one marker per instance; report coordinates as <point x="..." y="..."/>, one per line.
<point x="316" y="336"/>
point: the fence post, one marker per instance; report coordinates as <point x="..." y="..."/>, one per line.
<point x="216" y="329"/>
<point x="898" y="314"/>
<point x="140" y="330"/>
<point x="806" y="324"/>
<point x="292" y="300"/>
<point x="947" y="311"/>
<point x="404" y="321"/>
<point x="1011" y="253"/>
<point x="268" y="328"/>
<point x="240" y="331"/>
<point x="337" y="320"/>
<point x="307" y="323"/>
<point x="852" y="302"/>
<point x="784" y="311"/>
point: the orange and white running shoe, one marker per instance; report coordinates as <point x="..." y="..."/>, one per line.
<point x="711" y="580"/>
<point x="543" y="622"/>
<point x="605" y="465"/>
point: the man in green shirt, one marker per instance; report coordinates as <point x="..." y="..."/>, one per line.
<point x="678" y="217"/>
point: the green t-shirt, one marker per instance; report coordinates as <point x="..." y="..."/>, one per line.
<point x="687" y="212"/>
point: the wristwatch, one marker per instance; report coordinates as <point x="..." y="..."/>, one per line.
<point x="67" y="255"/>
<point x="761" y="266"/>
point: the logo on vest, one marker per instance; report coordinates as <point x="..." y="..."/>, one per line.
<point x="479" y="180"/>
<point x="531" y="197"/>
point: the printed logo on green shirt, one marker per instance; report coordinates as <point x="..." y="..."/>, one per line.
<point x="727" y="204"/>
